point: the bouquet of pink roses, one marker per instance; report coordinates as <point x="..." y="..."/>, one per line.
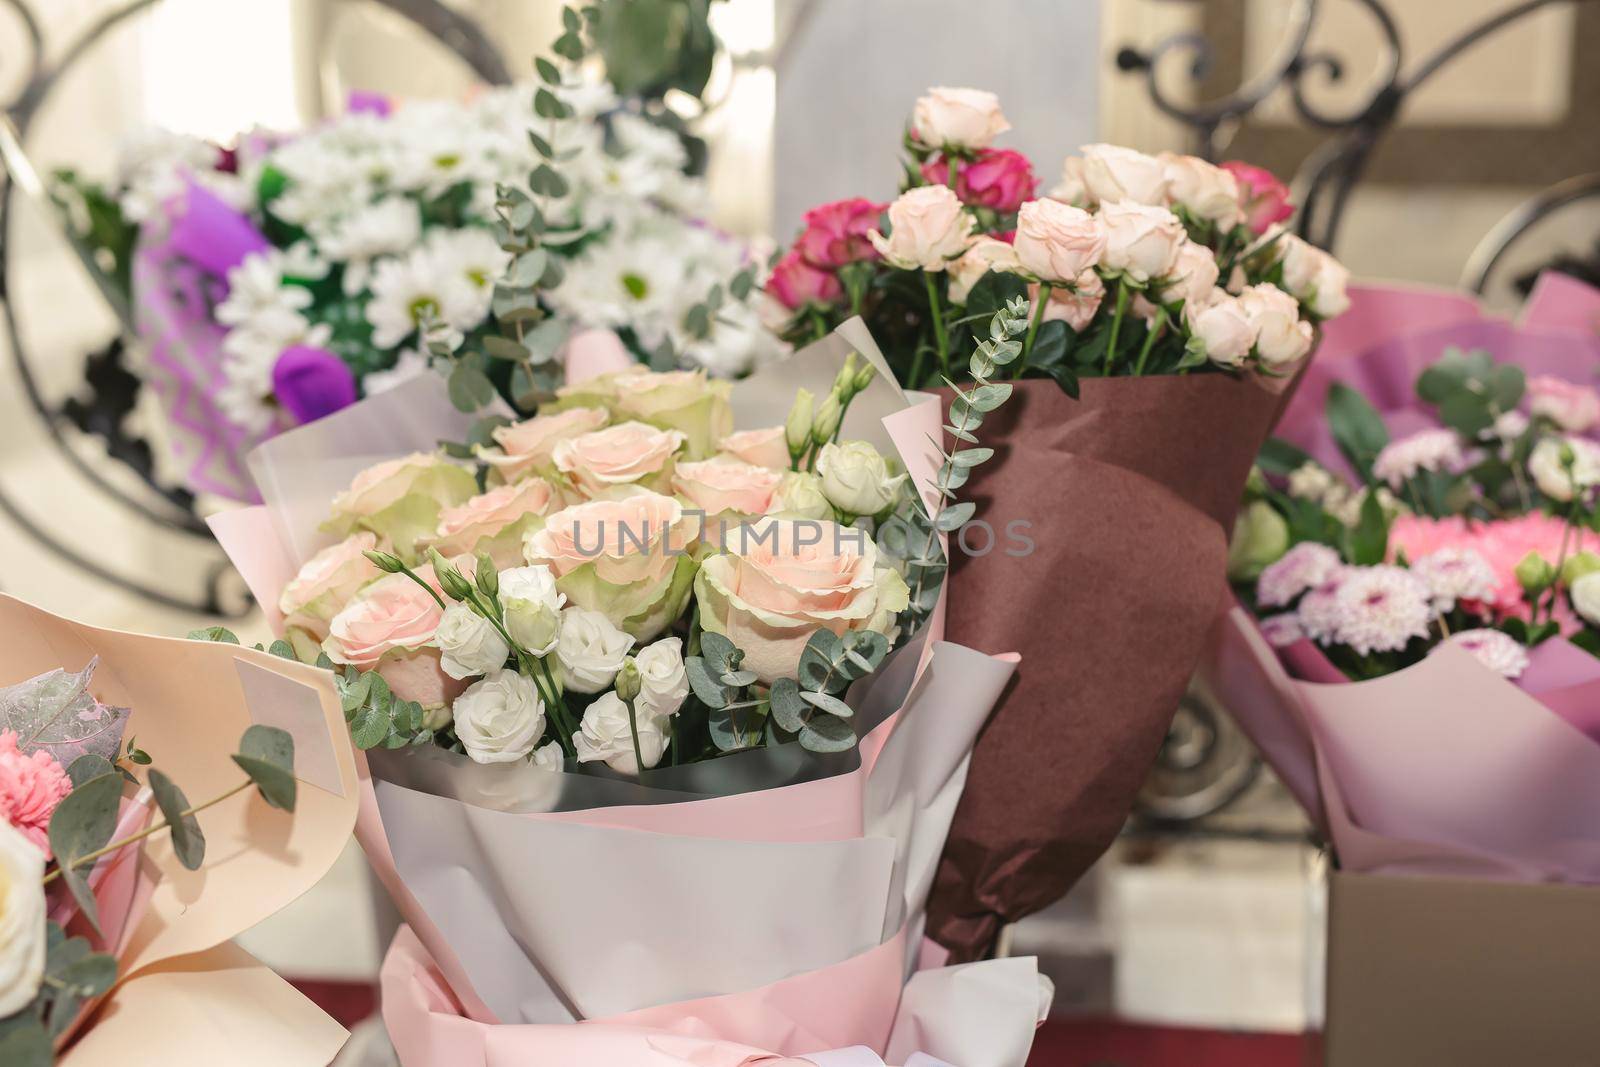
<point x="1424" y="669"/>
<point x="1168" y="308"/>
<point x="667" y="637"/>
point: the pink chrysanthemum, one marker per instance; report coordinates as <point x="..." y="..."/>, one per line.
<point x="31" y="785"/>
<point x="1303" y="567"/>
<point x="1498" y="651"/>
<point x="1380" y="609"/>
<point x="1425" y="450"/>
<point x="1318" y="611"/>
<point x="1281" y="631"/>
<point x="1502" y="543"/>
<point x="1454" y="575"/>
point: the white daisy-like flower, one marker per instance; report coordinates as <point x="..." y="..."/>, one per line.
<point x="248" y="356"/>
<point x="639" y="285"/>
<point x="1498" y="651"/>
<point x="256" y="289"/>
<point x="1380" y="609"/>
<point x="1455" y="574"/>
<point x="736" y="345"/>
<point x="1425" y="450"/>
<point x="1281" y="631"/>
<point x="412" y="289"/>
<point x="471" y="254"/>
<point x="390" y="226"/>
<point x="1303" y="567"/>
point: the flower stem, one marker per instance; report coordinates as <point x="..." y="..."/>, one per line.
<point x="409" y="573"/>
<point x="90" y="857"/>
<point x="633" y="728"/>
<point x="1150" y="340"/>
<point x="938" y="325"/>
<point x="1039" y="305"/>
<point x="1116" y="325"/>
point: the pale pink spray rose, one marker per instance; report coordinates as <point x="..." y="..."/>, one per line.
<point x="1573" y="407"/>
<point x="722" y="484"/>
<point x="591" y="353"/>
<point x="999" y="178"/>
<point x="1281" y="336"/>
<point x="31" y="785"/>
<point x="629" y="453"/>
<point x="1262" y="197"/>
<point x="1314" y="277"/>
<point x="929" y="228"/>
<point x="494" y="522"/>
<point x="795" y="284"/>
<point x="1142" y="240"/>
<point x="986" y="254"/>
<point x="1057" y="242"/>
<point x="1112" y="172"/>
<point x="1075" y="305"/>
<point x="957" y="118"/>
<point x="327" y="582"/>
<point x="836" y="233"/>
<point x="1223" y="327"/>
<point x="528" y="445"/>
<point x="1194" y="275"/>
<point x="1205" y="190"/>
<point x="1071" y="189"/>
<point x="389" y="627"/>
<point x="765" y="447"/>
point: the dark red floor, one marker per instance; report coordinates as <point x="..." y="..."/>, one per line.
<point x="1059" y="1044"/>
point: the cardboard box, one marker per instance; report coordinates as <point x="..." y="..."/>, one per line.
<point x="1461" y="973"/>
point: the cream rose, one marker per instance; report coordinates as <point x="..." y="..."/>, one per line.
<point x="1071" y="189"/>
<point x="500" y="718"/>
<point x="1194" y="276"/>
<point x="530" y="606"/>
<point x="1112" y="172"/>
<point x="1075" y="305"/>
<point x="780" y="580"/>
<point x="327" y="582"/>
<point x="607" y="734"/>
<point x="765" y="447"/>
<point x="400" y="500"/>
<point x="663" y="680"/>
<point x="590" y="650"/>
<point x="494" y="522"/>
<point x="629" y="453"/>
<point x="624" y="558"/>
<point x="928" y="229"/>
<point x="1205" y="190"/>
<point x="1315" y="278"/>
<point x="526" y="446"/>
<point x="1281" y="336"/>
<point x="22" y="920"/>
<point x="1057" y="242"/>
<point x="957" y="118"/>
<point x="986" y="254"/>
<point x="721" y="485"/>
<point x="1222" y="327"/>
<point x="1142" y="240"/>
<point x="856" y="479"/>
<point x="469" y="644"/>
<point x="685" y="400"/>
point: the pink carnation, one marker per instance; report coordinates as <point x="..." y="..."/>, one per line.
<point x="31" y="785"/>
<point x="1502" y="544"/>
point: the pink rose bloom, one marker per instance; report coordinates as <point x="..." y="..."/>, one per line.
<point x="836" y="233"/>
<point x="1057" y="242"/>
<point x="1573" y="407"/>
<point x="493" y="522"/>
<point x="629" y="453"/>
<point x="327" y="582"/>
<point x="765" y="447"/>
<point x="591" y="353"/>
<point x="31" y="785"/>
<point x="999" y="178"/>
<point x="1502" y="543"/>
<point x="928" y="227"/>
<point x="527" y="445"/>
<point x="723" y="484"/>
<point x="389" y="628"/>
<point x="794" y="283"/>
<point x="1076" y="306"/>
<point x="1262" y="197"/>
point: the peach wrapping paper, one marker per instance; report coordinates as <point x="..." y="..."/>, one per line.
<point x="185" y="995"/>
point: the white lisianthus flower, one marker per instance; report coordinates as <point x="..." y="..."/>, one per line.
<point x="22" y="920"/>
<point x="1585" y="593"/>
<point x="800" y="496"/>
<point x="663" y="681"/>
<point x="499" y="718"/>
<point x="856" y="479"/>
<point x="531" y="607"/>
<point x="549" y="756"/>
<point x="607" y="735"/>
<point x="1549" y="464"/>
<point x="590" y="650"/>
<point x="469" y="643"/>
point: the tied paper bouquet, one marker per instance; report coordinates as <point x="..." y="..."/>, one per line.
<point x="672" y="640"/>
<point x="103" y="857"/>
<point x="1168" y="309"/>
<point x="1418" y="660"/>
<point x="493" y="241"/>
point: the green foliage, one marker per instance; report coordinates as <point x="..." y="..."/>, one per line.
<point x="82" y="824"/>
<point x="266" y="754"/>
<point x="1357" y="428"/>
<point x="187" y="839"/>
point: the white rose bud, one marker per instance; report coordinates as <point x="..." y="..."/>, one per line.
<point x="22" y="920"/>
<point x="470" y="643"/>
<point x="1204" y="189"/>
<point x="928" y="228"/>
<point x="532" y="606"/>
<point x="549" y="756"/>
<point x="957" y="118"/>
<point x="606" y="735"/>
<point x="500" y="717"/>
<point x="1142" y="240"/>
<point x="1223" y="327"/>
<point x="1112" y="172"/>
<point x="663" y="682"/>
<point x="855" y="478"/>
<point x="591" y="650"/>
<point x="1281" y="336"/>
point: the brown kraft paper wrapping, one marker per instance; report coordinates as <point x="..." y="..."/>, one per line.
<point x="1130" y="493"/>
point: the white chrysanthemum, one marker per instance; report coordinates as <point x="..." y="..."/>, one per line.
<point x="1304" y="566"/>
<point x="1498" y="651"/>
<point x="1283" y="630"/>
<point x="1455" y="574"/>
<point x="256" y="289"/>
<point x="152" y="164"/>
<point x="473" y="255"/>
<point x="737" y="344"/>
<point x="1425" y="450"/>
<point x="616" y="284"/>
<point x="1380" y="609"/>
<point x="388" y="227"/>
<point x="410" y="290"/>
